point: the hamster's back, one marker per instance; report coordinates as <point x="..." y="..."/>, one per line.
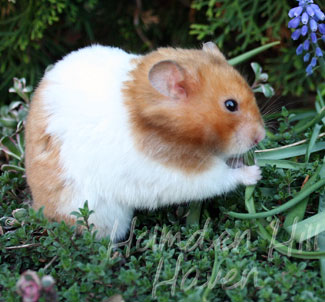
<point x="79" y="95"/>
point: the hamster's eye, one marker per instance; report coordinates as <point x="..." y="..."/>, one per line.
<point x="231" y="105"/>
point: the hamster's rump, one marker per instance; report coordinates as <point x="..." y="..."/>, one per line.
<point x="74" y="100"/>
<point x="124" y="132"/>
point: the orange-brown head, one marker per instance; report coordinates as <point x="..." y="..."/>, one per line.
<point x="191" y="104"/>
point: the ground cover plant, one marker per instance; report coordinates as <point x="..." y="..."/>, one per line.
<point x="260" y="243"/>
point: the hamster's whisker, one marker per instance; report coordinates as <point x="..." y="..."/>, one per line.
<point x="269" y="103"/>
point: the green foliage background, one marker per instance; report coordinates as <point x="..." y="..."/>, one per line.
<point x="36" y="33"/>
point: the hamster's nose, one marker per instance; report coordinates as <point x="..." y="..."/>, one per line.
<point x="259" y="136"/>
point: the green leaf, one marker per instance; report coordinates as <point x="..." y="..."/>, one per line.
<point x="257" y="69"/>
<point x="194" y="214"/>
<point x="283" y="164"/>
<point x="9" y="147"/>
<point x="298" y="198"/>
<point x="247" y="55"/>
<point x="307" y="228"/>
<point x="287" y="151"/>
<point x="297" y="213"/>
<point x="266" y="89"/>
<point x="312" y="141"/>
<point x="321" y="236"/>
<point x="8" y="122"/>
<point x="6" y="167"/>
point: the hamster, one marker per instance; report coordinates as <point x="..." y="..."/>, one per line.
<point x="127" y="132"/>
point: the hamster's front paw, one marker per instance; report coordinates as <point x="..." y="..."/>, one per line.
<point x="250" y="175"/>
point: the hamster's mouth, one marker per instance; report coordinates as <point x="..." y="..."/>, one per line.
<point x="235" y="162"/>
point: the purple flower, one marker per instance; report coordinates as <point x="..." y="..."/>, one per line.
<point x="299" y="50"/>
<point x="304" y="30"/>
<point x="321" y="28"/>
<point x="309" y="69"/>
<point x="296" y="34"/>
<point x="306" y="44"/>
<point x="304" y="18"/>
<point x="320" y="15"/>
<point x="313" y="25"/>
<point x="313" y="37"/>
<point x="313" y="62"/>
<point x="318" y="52"/>
<point x="310" y="11"/>
<point x="314" y="7"/>
<point x="295" y="12"/>
<point x="294" y="22"/>
<point x="323" y="38"/>
<point x="306" y="57"/>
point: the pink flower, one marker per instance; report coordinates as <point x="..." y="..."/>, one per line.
<point x="29" y="286"/>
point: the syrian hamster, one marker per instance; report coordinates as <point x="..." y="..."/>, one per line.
<point x="127" y="132"/>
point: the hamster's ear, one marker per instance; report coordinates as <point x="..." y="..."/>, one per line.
<point x="213" y="48"/>
<point x="168" y="78"/>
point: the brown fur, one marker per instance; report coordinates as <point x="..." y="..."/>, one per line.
<point x="42" y="162"/>
<point x="186" y="134"/>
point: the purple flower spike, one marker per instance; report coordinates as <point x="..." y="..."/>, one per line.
<point x="299" y="50"/>
<point x="304" y="30"/>
<point x="320" y="15"/>
<point x="313" y="62"/>
<point x="304" y="18"/>
<point x="309" y="69"/>
<point x="296" y="34"/>
<point x="321" y="28"/>
<point x="307" y="20"/>
<point x="306" y="45"/>
<point x="306" y="57"/>
<point x="313" y="25"/>
<point x="294" y="22"/>
<point x="310" y="11"/>
<point x="319" y="52"/>
<point x="313" y="37"/>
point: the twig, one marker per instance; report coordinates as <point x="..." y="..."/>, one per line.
<point x="22" y="246"/>
<point x="50" y="263"/>
<point x="286" y="146"/>
<point x="136" y="23"/>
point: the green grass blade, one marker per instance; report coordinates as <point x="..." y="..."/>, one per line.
<point x="298" y="198"/>
<point x="307" y="228"/>
<point x="321" y="236"/>
<point x="315" y="120"/>
<point x="285" y="250"/>
<point x="318" y="109"/>
<point x="297" y="213"/>
<point x="283" y="164"/>
<point x="287" y="152"/>
<point x="194" y="213"/>
<point x="321" y="100"/>
<point x="6" y="167"/>
<point x="247" y="55"/>
<point x="312" y="141"/>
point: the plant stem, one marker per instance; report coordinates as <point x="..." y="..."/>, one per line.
<point x="194" y="214"/>
<point x="301" y="196"/>
<point x="321" y="236"/>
